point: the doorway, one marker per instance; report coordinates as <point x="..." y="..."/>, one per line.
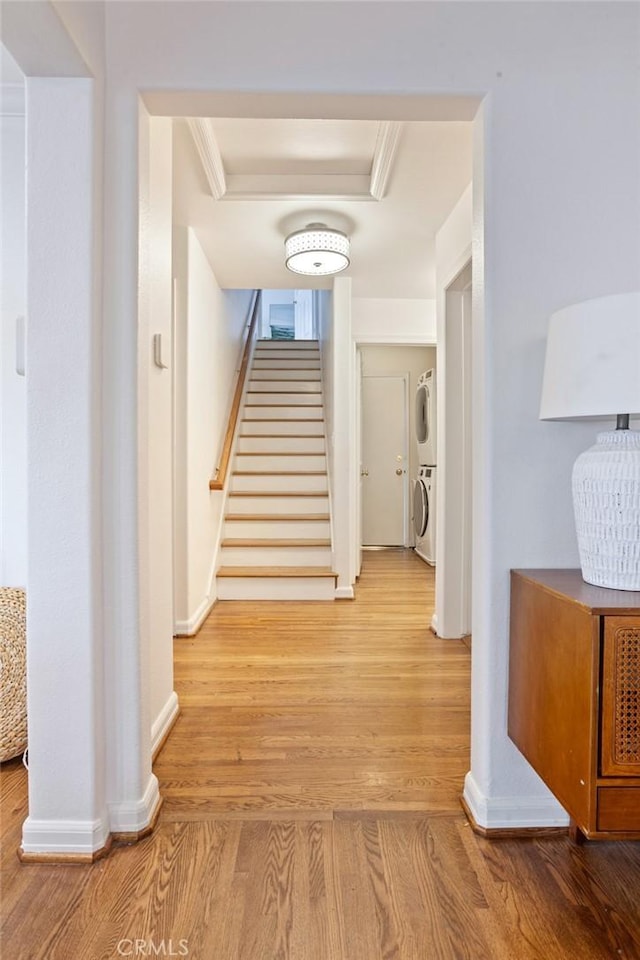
<point x="454" y="555"/>
<point x="388" y="361"/>
<point x="384" y="464"/>
<point x="288" y="315"/>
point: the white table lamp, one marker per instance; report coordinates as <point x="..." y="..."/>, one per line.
<point x="592" y="370"/>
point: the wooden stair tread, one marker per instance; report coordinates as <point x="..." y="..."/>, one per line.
<point x="278" y="453"/>
<point x="274" y="542"/>
<point x="279" y="517"/>
<point x="275" y="572"/>
<point x="278" y="493"/>
<point x="279" y="473"/>
<point x="284" y="420"/>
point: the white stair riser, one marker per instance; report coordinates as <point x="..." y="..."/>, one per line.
<point x="299" y="376"/>
<point x="276" y="529"/>
<point x="271" y="481"/>
<point x="264" y="343"/>
<point x="289" y="399"/>
<point x="277" y="363"/>
<point x="296" y="387"/>
<point x="274" y="463"/>
<point x="284" y="588"/>
<point x="258" y="412"/>
<point x="277" y="505"/>
<point x="311" y="428"/>
<point x="276" y="557"/>
<point x="280" y="444"/>
<point x="289" y="355"/>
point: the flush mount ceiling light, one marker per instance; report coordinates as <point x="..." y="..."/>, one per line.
<point x="317" y="250"/>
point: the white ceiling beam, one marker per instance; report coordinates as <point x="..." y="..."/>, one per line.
<point x="210" y="157"/>
<point x="297" y="186"/>
<point x="384" y="157"/>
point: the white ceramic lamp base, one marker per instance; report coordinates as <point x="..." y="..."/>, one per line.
<point x="606" y="499"/>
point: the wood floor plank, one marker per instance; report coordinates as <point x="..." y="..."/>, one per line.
<point x="311" y="810"/>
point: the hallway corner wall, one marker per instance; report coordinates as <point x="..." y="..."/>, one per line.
<point x="13" y="301"/>
<point x="155" y="400"/>
<point x="337" y="351"/>
<point x="209" y="326"/>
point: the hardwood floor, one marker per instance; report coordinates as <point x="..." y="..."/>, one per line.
<point x="312" y="811"/>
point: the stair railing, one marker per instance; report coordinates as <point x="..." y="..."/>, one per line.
<point x="219" y="478"/>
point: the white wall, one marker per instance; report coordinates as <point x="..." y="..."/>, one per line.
<point x="341" y="429"/>
<point x="453" y="246"/>
<point x="453" y="252"/>
<point x="398" y="361"/>
<point x="210" y="323"/>
<point x="338" y="377"/>
<point x="65" y="657"/>
<point x="209" y="327"/>
<point x="375" y="320"/>
<point x="13" y="394"/>
<point x="550" y="228"/>
<point x="156" y="402"/>
<point x="556" y="220"/>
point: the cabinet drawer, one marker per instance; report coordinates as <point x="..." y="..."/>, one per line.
<point x="619" y="808"/>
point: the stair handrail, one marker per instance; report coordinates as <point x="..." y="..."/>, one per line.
<point x="220" y="476"/>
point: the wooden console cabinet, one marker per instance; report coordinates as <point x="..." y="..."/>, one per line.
<point x="574" y="696"/>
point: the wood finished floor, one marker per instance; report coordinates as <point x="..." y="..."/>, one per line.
<point x="311" y="811"/>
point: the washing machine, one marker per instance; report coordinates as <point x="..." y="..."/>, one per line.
<point x="424" y="514"/>
<point x="426" y="418"/>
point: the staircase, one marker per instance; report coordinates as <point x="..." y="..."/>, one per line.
<point x="277" y="536"/>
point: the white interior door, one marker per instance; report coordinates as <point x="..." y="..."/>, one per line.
<point x="304" y="315"/>
<point x="384" y="461"/>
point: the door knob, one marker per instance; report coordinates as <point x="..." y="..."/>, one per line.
<point x="399" y="472"/>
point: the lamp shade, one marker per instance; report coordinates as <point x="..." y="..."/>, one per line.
<point x="592" y="364"/>
<point x="317" y="250"/>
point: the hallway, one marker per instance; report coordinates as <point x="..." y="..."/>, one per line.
<point x="321" y="709"/>
<point x="311" y="811"/>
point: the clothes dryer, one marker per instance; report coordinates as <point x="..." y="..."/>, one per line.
<point x="426" y="418"/>
<point x="424" y="514"/>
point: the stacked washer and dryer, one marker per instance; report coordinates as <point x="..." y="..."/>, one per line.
<point x="424" y="491"/>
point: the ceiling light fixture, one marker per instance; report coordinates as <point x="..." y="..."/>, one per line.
<point x="317" y="250"/>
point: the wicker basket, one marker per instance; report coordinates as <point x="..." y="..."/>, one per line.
<point x="13" y="673"/>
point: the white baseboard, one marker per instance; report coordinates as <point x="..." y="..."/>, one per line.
<point x="504" y="812"/>
<point x="344" y="593"/>
<point x="434" y="624"/>
<point x="164" y="721"/>
<point x="133" y="816"/>
<point x="54" y="837"/>
<point x="188" y="628"/>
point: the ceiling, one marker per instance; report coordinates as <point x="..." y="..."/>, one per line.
<point x="244" y="184"/>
